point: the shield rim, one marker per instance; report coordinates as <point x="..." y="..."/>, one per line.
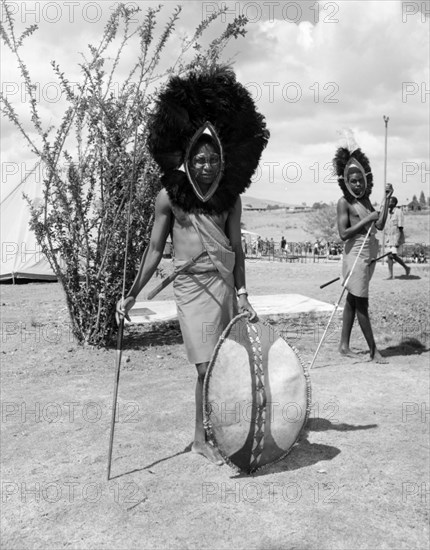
<point x="206" y="420"/>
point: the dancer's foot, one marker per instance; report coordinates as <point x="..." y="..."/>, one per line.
<point x="389" y="278"/>
<point x="408" y="270"/>
<point x="347" y="352"/>
<point x="208" y="451"/>
<point x="377" y="358"/>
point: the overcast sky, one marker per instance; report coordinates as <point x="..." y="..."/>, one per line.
<point x="313" y="69"/>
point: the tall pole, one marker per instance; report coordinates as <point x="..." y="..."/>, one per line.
<point x="386" y="119"/>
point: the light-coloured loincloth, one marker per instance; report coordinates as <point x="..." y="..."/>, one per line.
<point x="206" y="303"/>
<point x="396" y="250"/>
<point x="358" y="283"/>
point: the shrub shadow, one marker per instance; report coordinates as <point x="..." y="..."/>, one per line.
<point x="409" y="346"/>
<point x="141" y="337"/>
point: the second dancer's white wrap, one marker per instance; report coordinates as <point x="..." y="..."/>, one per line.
<point x="358" y="283"/>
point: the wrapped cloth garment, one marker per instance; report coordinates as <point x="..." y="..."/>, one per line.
<point x="204" y="293"/>
<point x="394" y="237"/>
<point x="358" y="283"/>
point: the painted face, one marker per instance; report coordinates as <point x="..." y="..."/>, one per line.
<point x="355" y="178"/>
<point x="205" y="165"/>
<point x="357" y="184"/>
<point x="204" y="162"/>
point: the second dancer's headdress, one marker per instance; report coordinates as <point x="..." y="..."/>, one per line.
<point x="351" y="160"/>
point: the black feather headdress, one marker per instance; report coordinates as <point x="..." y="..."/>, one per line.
<point x="216" y="100"/>
<point x="346" y="162"/>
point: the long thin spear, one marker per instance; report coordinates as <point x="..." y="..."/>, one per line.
<point x="121" y="322"/>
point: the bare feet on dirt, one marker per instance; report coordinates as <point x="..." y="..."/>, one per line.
<point x="377" y="358"/>
<point x="208" y="451"/>
<point x="347" y="352"/>
<point x="408" y="270"/>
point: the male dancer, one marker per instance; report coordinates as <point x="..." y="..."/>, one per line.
<point x="208" y="123"/>
<point x="395" y="237"/>
<point x="357" y="223"/>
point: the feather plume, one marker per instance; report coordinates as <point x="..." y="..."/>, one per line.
<point x="347" y="139"/>
<point x="183" y="106"/>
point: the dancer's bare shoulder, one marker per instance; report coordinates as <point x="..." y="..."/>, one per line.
<point x="163" y="200"/>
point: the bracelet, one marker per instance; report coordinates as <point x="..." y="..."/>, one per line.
<point x="242" y="291"/>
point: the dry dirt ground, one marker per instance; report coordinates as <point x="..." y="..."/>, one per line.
<point x="358" y="479"/>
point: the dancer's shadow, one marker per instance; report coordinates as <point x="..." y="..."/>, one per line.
<point x="409" y="346"/>
<point x="304" y="453"/>
<point x="407" y="277"/>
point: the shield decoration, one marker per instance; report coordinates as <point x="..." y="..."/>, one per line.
<point x="256" y="395"/>
<point x="207" y="131"/>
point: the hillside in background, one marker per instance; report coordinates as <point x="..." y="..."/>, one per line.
<point x="253" y="202"/>
<point x="275" y="223"/>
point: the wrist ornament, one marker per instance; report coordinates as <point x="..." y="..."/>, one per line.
<point x="242" y="291"/>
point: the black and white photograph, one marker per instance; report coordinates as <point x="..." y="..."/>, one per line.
<point x="215" y="278"/>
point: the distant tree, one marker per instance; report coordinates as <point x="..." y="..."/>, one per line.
<point x="322" y="223"/>
<point x="414" y="205"/>
<point x="422" y="200"/>
<point x="318" y="205"/>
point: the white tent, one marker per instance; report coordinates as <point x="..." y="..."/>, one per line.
<point x="250" y="241"/>
<point x="21" y="256"/>
<point x="249" y="236"/>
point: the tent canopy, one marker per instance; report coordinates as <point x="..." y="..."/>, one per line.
<point x="250" y="237"/>
<point x="21" y="256"/>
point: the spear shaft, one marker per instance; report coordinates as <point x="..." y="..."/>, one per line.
<point x="386" y="119"/>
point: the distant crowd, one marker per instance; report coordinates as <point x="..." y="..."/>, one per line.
<point x="318" y="249"/>
<point x="268" y="247"/>
<point x="419" y="257"/>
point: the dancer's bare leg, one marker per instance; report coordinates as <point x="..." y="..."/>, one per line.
<point x="402" y="263"/>
<point x="200" y="444"/>
<point x="362" y="309"/>
<point x="390" y="263"/>
<point x="348" y="321"/>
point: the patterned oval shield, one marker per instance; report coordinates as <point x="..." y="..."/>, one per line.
<point x="256" y="395"/>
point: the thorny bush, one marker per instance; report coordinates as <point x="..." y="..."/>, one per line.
<point x="99" y="174"/>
